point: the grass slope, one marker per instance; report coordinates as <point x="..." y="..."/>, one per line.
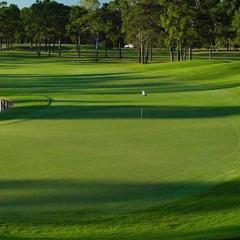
<point x="77" y="162"/>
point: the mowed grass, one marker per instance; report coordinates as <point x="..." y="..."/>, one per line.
<point x="79" y="162"/>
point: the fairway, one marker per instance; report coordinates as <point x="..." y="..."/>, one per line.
<point x="78" y="162"/>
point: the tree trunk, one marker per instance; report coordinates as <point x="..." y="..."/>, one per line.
<point x="139" y="55"/>
<point x="142" y="60"/>
<point x="1" y="45"/>
<point x="178" y="50"/>
<point x="49" y="47"/>
<point x="181" y="52"/>
<point x="53" y="46"/>
<point x="79" y="46"/>
<point x="171" y="51"/>
<point x="190" y="53"/>
<point x="59" y="47"/>
<point x="97" y="50"/>
<point x="120" y="49"/>
<point x="39" y="48"/>
<point x="178" y="55"/>
<point x="36" y="45"/>
<point x="210" y="52"/>
<point x="185" y="54"/>
<point x="46" y="45"/>
<point x="142" y="53"/>
<point x="151" y="54"/>
<point x="147" y="55"/>
<point x="106" y="49"/>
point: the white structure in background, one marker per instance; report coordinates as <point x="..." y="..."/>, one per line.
<point x="131" y="45"/>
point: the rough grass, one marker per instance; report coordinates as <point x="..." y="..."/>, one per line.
<point x="78" y="162"/>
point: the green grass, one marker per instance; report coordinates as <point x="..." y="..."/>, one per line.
<point x="78" y="162"/>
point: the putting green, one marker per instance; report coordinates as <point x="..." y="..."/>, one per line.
<point x="79" y="162"/>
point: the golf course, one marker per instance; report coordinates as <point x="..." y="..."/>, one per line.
<point x="85" y="156"/>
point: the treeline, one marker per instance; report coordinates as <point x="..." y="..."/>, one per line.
<point x="178" y="25"/>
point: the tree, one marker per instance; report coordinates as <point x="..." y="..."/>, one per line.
<point x="11" y="24"/>
<point x="94" y="21"/>
<point x="96" y="28"/>
<point x="2" y="22"/>
<point x="236" y="26"/>
<point x="228" y="33"/>
<point x="59" y="22"/>
<point x="179" y="25"/>
<point x="90" y="5"/>
<point x="113" y="25"/>
<point x="207" y="24"/>
<point x="141" y="24"/>
<point x="178" y="21"/>
<point x="39" y="23"/>
<point x="29" y="33"/>
<point x="77" y="25"/>
<point x="49" y="20"/>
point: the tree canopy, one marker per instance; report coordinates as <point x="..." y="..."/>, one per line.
<point x="177" y="25"/>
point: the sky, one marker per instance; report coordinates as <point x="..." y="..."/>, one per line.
<point x="26" y="3"/>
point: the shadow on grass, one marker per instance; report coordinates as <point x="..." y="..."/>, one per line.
<point x="64" y="195"/>
<point x="64" y="192"/>
<point x="74" y="111"/>
<point x="214" y="233"/>
<point x="221" y="233"/>
<point x="65" y="203"/>
<point x="108" y="83"/>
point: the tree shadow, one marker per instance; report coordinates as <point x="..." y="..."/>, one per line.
<point x="220" y="233"/>
<point x="71" y="202"/>
<point x="116" y="111"/>
<point x="104" y="84"/>
<point x="213" y="233"/>
<point x="63" y="192"/>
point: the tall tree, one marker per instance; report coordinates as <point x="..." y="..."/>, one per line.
<point x="90" y="4"/>
<point x="236" y="27"/>
<point x="207" y="24"/>
<point x="178" y="21"/>
<point x="114" y="25"/>
<point x="141" y="23"/>
<point x="11" y="24"/>
<point x="94" y="20"/>
<point x="96" y="27"/>
<point x="40" y="21"/>
<point x="29" y="33"/>
<point x="59" y="22"/>
<point x="226" y="19"/>
<point x="2" y="22"/>
<point x="78" y="25"/>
